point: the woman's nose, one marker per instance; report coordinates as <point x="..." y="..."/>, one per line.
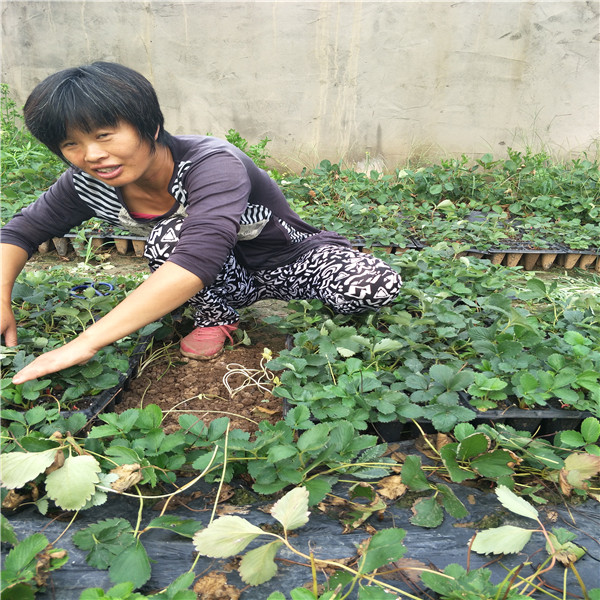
<point x="94" y="153"/>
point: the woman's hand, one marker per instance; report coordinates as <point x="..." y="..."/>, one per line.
<point x="75" y="352"/>
<point x="8" y="327"/>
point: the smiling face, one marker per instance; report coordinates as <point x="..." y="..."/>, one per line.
<point x="116" y="155"/>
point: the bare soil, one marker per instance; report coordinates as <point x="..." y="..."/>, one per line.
<point x="182" y="385"/>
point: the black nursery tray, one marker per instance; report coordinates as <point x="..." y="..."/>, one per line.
<point x="92" y="406"/>
<point x="541" y="421"/>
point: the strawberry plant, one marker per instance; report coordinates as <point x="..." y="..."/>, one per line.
<point x="47" y="315"/>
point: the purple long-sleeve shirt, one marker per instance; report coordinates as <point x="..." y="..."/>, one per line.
<point x="229" y="203"/>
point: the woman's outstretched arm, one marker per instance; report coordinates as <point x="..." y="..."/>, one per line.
<point x="167" y="288"/>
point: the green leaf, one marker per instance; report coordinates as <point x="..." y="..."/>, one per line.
<point x="313" y="438"/>
<point x="74" y="483"/>
<point x="427" y="513"/>
<point x="412" y="474"/>
<point x="318" y="488"/>
<point x="132" y="565"/>
<point x="384" y="547"/>
<point x="17" y="468"/>
<point x="451" y="502"/>
<point x="457" y="473"/>
<point x="184" y="527"/>
<point x="373" y="592"/>
<point x="7" y="533"/>
<point x="25" y="552"/>
<point x="277" y="453"/>
<point x="292" y="510"/>
<point x="104" y="540"/>
<point x="493" y="464"/>
<point x="501" y="540"/>
<point x="571" y="438"/>
<point x="225" y="536"/>
<point x="516" y="504"/>
<point x="472" y="445"/>
<point x="20" y="591"/>
<point x="302" y="594"/>
<point x="590" y="430"/>
<point x="258" y="565"/>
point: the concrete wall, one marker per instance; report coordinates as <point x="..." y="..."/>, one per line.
<point x="338" y="80"/>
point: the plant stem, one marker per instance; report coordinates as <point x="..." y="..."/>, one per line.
<point x="214" y="510"/>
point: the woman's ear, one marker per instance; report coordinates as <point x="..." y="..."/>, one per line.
<point x="157" y="132"/>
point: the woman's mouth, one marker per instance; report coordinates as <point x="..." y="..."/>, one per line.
<point x="109" y="172"/>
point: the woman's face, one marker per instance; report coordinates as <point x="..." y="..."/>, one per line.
<point x="115" y="155"/>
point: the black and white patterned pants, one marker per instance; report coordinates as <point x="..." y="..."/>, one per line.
<point x="347" y="280"/>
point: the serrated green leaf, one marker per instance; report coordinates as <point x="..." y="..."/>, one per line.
<point x="35" y="415"/>
<point x="493" y="464"/>
<point x="279" y="452"/>
<point x="501" y="540"/>
<point x="25" y="552"/>
<point x="313" y="438"/>
<point x="258" y="565"/>
<point x="225" y="536"/>
<point x="384" y="547"/>
<point x="373" y="592"/>
<point x="17" y="468"/>
<point x="451" y="502"/>
<point x="74" y="483"/>
<point x="571" y="438"/>
<point x="132" y="565"/>
<point x="318" y="488"/>
<point x="427" y="513"/>
<point x="412" y="474"/>
<point x="292" y="510"/>
<point x="457" y="473"/>
<point x="7" y="533"/>
<point x="185" y="527"/>
<point x="473" y="445"/>
<point x="20" y="591"/>
<point x="387" y="345"/>
<point x="515" y="503"/>
<point x="590" y="430"/>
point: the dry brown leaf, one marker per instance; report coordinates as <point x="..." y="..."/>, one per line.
<point x="442" y="440"/>
<point x="391" y="487"/>
<point x="471" y="499"/>
<point x="59" y="461"/>
<point x="399" y="457"/>
<point x="552" y="516"/>
<point x="12" y="500"/>
<point x="128" y="475"/>
<point x="214" y="586"/>
<point x="404" y="568"/>
<point x="423" y="445"/>
<point x="230" y="509"/>
<point x="267" y="411"/>
<point x="226" y="492"/>
<point x="565" y="487"/>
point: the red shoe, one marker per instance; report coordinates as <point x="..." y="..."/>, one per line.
<point x="205" y="343"/>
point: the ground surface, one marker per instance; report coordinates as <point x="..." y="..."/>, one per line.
<point x="179" y="384"/>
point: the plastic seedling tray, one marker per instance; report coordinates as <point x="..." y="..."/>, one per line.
<point x="92" y="406"/>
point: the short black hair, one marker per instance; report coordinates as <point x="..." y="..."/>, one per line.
<point x="90" y="97"/>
